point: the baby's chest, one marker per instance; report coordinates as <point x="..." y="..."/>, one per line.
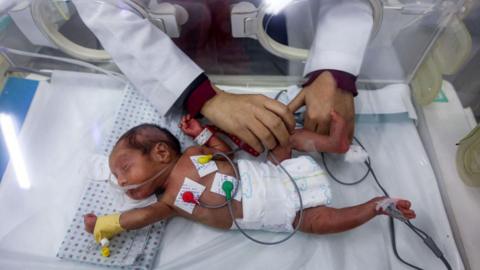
<point x="188" y="177"/>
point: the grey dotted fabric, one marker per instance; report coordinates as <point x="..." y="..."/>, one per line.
<point x="135" y="110"/>
<point x="131" y="249"/>
<point x="134" y="249"/>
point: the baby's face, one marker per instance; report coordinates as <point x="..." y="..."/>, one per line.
<point x="132" y="167"/>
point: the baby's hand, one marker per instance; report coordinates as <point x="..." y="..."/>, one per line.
<point x="90" y="220"/>
<point x="190" y="126"/>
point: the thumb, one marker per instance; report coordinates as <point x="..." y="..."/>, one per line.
<point x="338" y="125"/>
<point x="338" y="131"/>
<point x="297" y="102"/>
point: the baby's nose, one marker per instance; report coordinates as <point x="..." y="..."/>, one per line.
<point x="122" y="181"/>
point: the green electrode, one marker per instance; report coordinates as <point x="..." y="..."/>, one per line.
<point x="227" y="187"/>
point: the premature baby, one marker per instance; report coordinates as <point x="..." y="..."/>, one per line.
<point x="148" y="158"/>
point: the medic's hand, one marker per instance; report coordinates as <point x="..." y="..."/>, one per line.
<point x="336" y="142"/>
<point x="257" y="120"/>
<point x="190" y="126"/>
<point x="321" y="97"/>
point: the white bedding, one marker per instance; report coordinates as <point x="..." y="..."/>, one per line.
<point x="403" y="168"/>
<point x="67" y="122"/>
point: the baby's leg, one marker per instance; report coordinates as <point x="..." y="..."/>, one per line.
<point x="335" y="142"/>
<point x="323" y="220"/>
<point x="308" y="141"/>
<point x="280" y="153"/>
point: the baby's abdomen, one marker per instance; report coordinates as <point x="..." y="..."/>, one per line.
<point x="220" y="217"/>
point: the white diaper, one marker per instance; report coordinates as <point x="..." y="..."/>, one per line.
<point x="270" y="201"/>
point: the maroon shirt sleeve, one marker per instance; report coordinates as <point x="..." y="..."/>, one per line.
<point x="201" y="91"/>
<point x="345" y="81"/>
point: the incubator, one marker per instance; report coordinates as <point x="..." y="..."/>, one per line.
<point x="65" y="96"/>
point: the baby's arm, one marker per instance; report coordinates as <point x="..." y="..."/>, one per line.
<point x="109" y="226"/>
<point x="218" y="144"/>
<point x="141" y="217"/>
<point x="323" y="220"/>
<point x="193" y="128"/>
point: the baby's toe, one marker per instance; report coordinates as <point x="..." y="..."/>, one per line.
<point x="403" y="204"/>
<point x="411" y="215"/>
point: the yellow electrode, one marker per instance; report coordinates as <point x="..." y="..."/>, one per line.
<point x="106" y="227"/>
<point x="204" y="159"/>
<point x="105" y="251"/>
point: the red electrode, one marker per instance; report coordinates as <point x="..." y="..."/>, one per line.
<point x="188" y="197"/>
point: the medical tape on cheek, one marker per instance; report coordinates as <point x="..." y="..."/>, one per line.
<point x="189" y="186"/>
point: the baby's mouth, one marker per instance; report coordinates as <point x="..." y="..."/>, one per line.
<point x="132" y="193"/>
<point x="136" y="194"/>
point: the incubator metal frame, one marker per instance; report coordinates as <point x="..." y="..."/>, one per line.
<point x="292" y="53"/>
<point x="142" y="10"/>
<point x="254" y="28"/>
<point x="264" y="39"/>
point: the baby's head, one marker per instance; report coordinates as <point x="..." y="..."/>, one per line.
<point x="144" y="155"/>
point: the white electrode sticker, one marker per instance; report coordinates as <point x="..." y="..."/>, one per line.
<point x="204" y="169"/>
<point x="356" y="154"/>
<point x="188" y="186"/>
<point x="218" y="182"/>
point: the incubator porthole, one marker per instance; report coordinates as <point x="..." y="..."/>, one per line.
<point x="289" y="51"/>
<point x="61" y="24"/>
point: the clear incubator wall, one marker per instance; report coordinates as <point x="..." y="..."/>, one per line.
<point x="467" y="80"/>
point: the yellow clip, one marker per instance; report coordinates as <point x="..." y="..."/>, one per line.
<point x="204" y="159"/>
<point x="105" y="251"/>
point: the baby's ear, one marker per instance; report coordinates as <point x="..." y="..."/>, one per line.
<point x="161" y="152"/>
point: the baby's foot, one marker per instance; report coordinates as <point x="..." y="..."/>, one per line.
<point x="89" y="220"/>
<point x="393" y="207"/>
<point x="404" y="207"/>
<point x="280" y="153"/>
<point x="335" y="142"/>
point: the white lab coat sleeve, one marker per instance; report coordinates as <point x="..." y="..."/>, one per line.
<point x="151" y="61"/>
<point x="7" y="5"/>
<point x="341" y="37"/>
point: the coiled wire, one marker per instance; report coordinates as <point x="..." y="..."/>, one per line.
<point x="228" y="202"/>
<point x="423" y="235"/>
